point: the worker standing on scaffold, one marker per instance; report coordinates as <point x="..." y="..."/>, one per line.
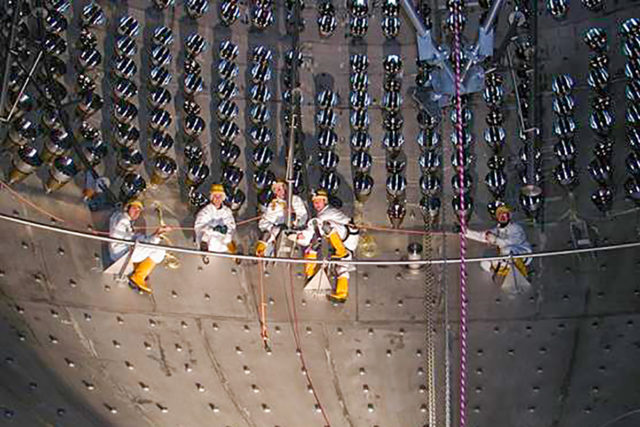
<point x="144" y="259"/>
<point x="336" y="227"/>
<point x="274" y="218"/>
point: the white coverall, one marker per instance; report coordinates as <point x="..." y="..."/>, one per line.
<point x="510" y="240"/>
<point x="276" y="214"/>
<point x="327" y="221"/>
<point x="207" y="219"/>
<point x="121" y="227"/>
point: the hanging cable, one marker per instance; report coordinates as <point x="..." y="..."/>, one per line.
<point x="293" y="317"/>
<point x="262" y="309"/>
<point x="371" y="262"/>
<point x="457" y="53"/>
<point x="24" y="201"/>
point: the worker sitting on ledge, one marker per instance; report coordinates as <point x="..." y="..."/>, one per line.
<point x="342" y="235"/>
<point x="215" y="224"/>
<point x="144" y="259"/>
<point x="510" y="239"/>
<point x="274" y="218"/>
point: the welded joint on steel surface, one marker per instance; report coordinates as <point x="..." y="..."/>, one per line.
<point x="23" y="88"/>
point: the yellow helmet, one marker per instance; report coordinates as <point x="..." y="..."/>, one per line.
<point x="134" y="202"/>
<point x="320" y="194"/>
<point x="278" y="182"/>
<point x="502" y="209"/>
<point x="217" y="189"/>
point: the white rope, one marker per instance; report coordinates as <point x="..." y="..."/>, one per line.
<point x="189" y="251"/>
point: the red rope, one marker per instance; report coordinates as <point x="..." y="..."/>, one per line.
<point x="28" y="203"/>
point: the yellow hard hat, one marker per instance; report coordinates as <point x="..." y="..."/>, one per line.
<point x="278" y="182"/>
<point x="134" y="202"/>
<point x="502" y="209"/>
<point x="320" y="194"/>
<point x="217" y="189"/>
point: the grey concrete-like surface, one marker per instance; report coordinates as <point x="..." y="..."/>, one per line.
<point x="78" y="348"/>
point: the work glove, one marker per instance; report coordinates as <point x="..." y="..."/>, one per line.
<point x="490" y="237"/>
<point x="222" y="229"/>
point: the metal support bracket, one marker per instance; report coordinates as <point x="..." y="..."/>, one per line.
<point x="442" y="77"/>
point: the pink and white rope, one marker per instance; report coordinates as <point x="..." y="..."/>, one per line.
<point x="457" y="53"/>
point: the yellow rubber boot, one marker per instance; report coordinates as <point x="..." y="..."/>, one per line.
<point x="521" y="266"/>
<point x="261" y="247"/>
<point x="342" y="291"/>
<point x="233" y="249"/>
<point x="309" y="268"/>
<point x="139" y="276"/>
<point x="336" y="243"/>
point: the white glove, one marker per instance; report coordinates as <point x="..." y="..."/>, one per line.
<point x="490" y="237"/>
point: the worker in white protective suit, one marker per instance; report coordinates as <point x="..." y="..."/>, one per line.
<point x="215" y="224"/>
<point x="144" y="259"/>
<point x="274" y="218"/>
<point x="510" y="239"/>
<point x="336" y="227"/>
